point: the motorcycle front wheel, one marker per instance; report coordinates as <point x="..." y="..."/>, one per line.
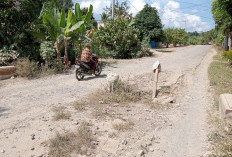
<point x="79" y="75"/>
<point x="98" y="70"/>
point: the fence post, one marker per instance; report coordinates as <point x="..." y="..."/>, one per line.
<point x="156" y="69"/>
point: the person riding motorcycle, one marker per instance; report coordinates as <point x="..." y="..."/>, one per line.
<point x="86" y="56"/>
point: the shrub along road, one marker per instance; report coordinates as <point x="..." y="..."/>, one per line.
<point x="26" y="107"/>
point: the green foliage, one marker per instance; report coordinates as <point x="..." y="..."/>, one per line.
<point x="14" y="20"/>
<point x="149" y="24"/>
<point x="104" y="17"/>
<point x="222" y="14"/>
<point x="228" y="55"/>
<point x="62" y="28"/>
<point x="175" y="36"/>
<point x="121" y="10"/>
<point x="219" y="38"/>
<point x="145" y="48"/>
<point x="169" y="35"/>
<point x="204" y="37"/>
<point x="7" y="56"/>
<point x="47" y="50"/>
<point x="117" y="39"/>
<point x="93" y="22"/>
<point x="194" y="40"/>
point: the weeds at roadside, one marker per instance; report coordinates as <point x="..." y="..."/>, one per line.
<point x="112" y="135"/>
<point x="100" y="112"/>
<point x="124" y="126"/>
<point x="122" y="94"/>
<point x="60" y="113"/>
<point x="79" y="106"/>
<point x="79" y="142"/>
<point x="220" y="75"/>
<point x="27" y="68"/>
<point x="31" y="69"/>
<point x="159" y="106"/>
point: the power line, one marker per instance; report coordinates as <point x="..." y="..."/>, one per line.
<point x="132" y="5"/>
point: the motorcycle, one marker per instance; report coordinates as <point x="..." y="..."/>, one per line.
<point x="82" y="69"/>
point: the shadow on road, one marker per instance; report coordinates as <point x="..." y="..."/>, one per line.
<point x="94" y="77"/>
<point x="3" y="110"/>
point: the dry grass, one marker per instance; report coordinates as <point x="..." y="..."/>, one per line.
<point x="123" y="126"/>
<point x="79" y="142"/>
<point x="220" y="75"/>
<point x="100" y="112"/>
<point x="60" y="113"/>
<point x="123" y="94"/>
<point x="79" y="106"/>
<point x="112" y="135"/>
<point x="27" y="68"/>
<point x="159" y="106"/>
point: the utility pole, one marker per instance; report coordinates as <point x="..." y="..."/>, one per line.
<point x="113" y="9"/>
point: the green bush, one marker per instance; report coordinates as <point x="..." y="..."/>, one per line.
<point x="47" y="50"/>
<point x="53" y="67"/>
<point x="26" y="68"/>
<point x="228" y="55"/>
<point x="116" y="39"/>
<point x="8" y="56"/>
<point x="145" y="48"/>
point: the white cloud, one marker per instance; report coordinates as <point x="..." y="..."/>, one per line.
<point x="98" y="5"/>
<point x="174" y="17"/>
<point x="156" y="5"/>
<point x="136" y="6"/>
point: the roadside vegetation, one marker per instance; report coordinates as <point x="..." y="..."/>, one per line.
<point x="220" y="74"/>
<point x="79" y="142"/>
<point x="60" y="113"/>
<point x="52" y="38"/>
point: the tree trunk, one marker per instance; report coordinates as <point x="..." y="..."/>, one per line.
<point x="226" y="42"/>
<point x="167" y="46"/>
<point x="66" y="53"/>
<point x="57" y="50"/>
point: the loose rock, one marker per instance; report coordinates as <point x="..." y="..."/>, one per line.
<point x="32" y="136"/>
<point x="141" y="153"/>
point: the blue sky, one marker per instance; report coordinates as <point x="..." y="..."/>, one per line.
<point x="192" y="15"/>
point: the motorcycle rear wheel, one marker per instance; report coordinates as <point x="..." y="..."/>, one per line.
<point x="79" y="75"/>
<point x="98" y="70"/>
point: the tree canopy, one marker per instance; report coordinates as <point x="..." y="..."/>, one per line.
<point x="175" y="36"/>
<point x="16" y="17"/>
<point x="120" y="10"/>
<point x="222" y="13"/>
<point x="149" y="24"/>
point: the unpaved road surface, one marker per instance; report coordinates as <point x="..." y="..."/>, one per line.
<point x="26" y="109"/>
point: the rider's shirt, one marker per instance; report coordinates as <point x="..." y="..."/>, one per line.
<point x="86" y="55"/>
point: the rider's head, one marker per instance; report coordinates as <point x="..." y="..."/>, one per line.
<point x="88" y="46"/>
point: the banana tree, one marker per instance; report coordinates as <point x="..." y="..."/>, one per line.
<point x="58" y="28"/>
<point x="61" y="28"/>
<point x="77" y="17"/>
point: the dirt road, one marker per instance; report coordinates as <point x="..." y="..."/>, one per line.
<point x="25" y="107"/>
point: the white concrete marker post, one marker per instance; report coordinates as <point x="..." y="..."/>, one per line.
<point x="156" y="69"/>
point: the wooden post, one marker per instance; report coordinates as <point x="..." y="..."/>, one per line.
<point x="155" y="83"/>
<point x="156" y="69"/>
